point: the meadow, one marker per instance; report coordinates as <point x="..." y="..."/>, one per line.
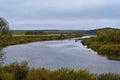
<point x="23" y="38"/>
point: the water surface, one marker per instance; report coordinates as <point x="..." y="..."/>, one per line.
<point x="60" y="54"/>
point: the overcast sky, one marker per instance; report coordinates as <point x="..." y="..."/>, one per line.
<point x="61" y="14"/>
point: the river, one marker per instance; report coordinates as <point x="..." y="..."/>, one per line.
<point x="58" y="54"/>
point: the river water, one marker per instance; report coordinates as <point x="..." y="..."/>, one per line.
<point x="60" y="54"/>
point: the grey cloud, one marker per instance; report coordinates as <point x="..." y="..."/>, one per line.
<point x="62" y="13"/>
<point x="109" y="12"/>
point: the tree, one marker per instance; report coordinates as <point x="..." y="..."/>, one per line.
<point x="34" y="32"/>
<point x="1" y="63"/>
<point x="4" y="29"/>
<point x="1" y="57"/>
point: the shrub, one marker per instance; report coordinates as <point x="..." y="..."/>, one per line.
<point x="69" y="74"/>
<point x="112" y="49"/>
<point x="96" y="45"/>
<point x="108" y="76"/>
<point x="110" y="35"/>
<point x="88" y="41"/>
<point x="21" y="71"/>
<point x="39" y="74"/>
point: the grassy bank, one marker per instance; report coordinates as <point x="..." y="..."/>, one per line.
<point x="22" y="38"/>
<point x="107" y="43"/>
<point x="21" y="71"/>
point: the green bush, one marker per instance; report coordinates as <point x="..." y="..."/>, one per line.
<point x="110" y="35"/>
<point x="21" y="71"/>
<point x="39" y="74"/>
<point x="88" y="41"/>
<point x="112" y="49"/>
<point x="96" y="45"/>
<point x="108" y="76"/>
<point x="69" y="74"/>
<point x="61" y="74"/>
<point x="106" y="43"/>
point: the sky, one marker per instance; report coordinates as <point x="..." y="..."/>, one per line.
<point x="61" y="14"/>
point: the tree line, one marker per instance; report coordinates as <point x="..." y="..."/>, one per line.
<point x="34" y="32"/>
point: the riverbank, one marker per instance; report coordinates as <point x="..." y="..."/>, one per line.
<point x="57" y="54"/>
<point x="107" y="43"/>
<point x="20" y="71"/>
<point x="22" y="38"/>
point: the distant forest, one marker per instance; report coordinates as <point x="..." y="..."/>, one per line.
<point x="85" y="32"/>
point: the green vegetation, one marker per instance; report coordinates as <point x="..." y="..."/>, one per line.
<point x="17" y="35"/>
<point x="22" y="38"/>
<point x="103" y="43"/>
<point x="106" y="43"/>
<point x="4" y="29"/>
<point x="20" y="71"/>
<point x="109" y="36"/>
<point x="108" y="76"/>
<point x="34" y="32"/>
<point x="6" y="38"/>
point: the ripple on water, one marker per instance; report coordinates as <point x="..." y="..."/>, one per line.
<point x="61" y="54"/>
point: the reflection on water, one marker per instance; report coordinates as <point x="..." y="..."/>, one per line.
<point x="1" y="57"/>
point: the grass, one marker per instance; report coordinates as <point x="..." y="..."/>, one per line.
<point x="18" y="35"/>
<point x="22" y="38"/>
<point x="20" y="71"/>
<point x="14" y="35"/>
<point x="109" y="49"/>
